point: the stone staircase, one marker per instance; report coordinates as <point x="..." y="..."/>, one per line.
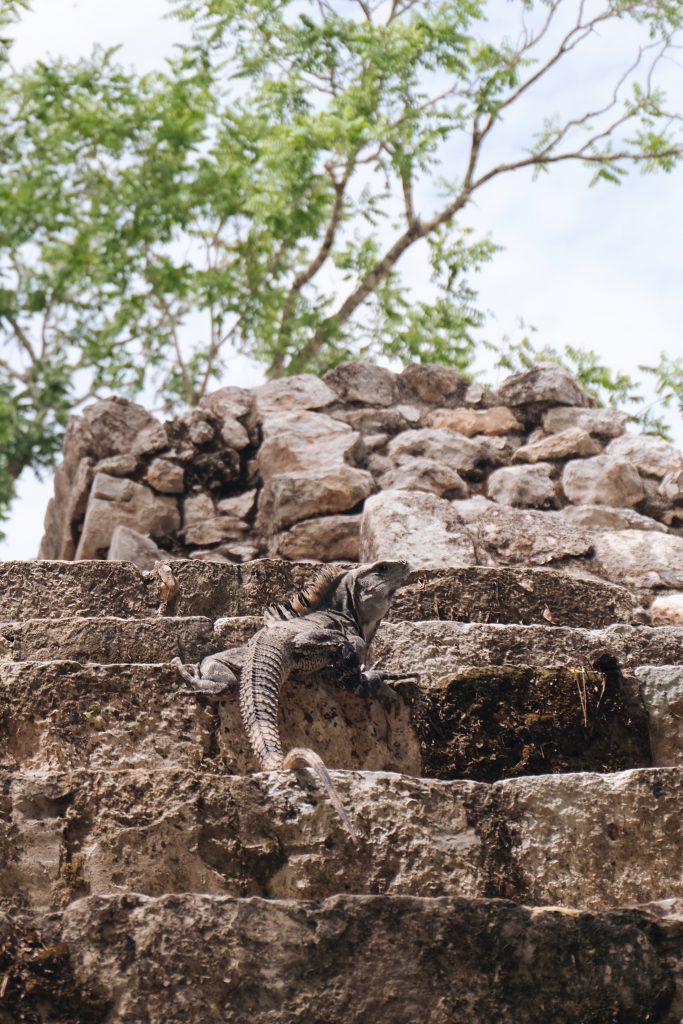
<point x="520" y="855"/>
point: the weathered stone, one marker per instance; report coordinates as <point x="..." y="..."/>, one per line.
<point x="411" y="413"/>
<point x="119" y="427"/>
<point x="118" y="465"/>
<point x="364" y="383"/>
<point x="295" y="442"/>
<point x="197" y="425"/>
<point x="130" y="546"/>
<point x="435" y="649"/>
<point x="211" y="555"/>
<point x="240" y="505"/>
<point x="420" y="474"/>
<point x="602" y="517"/>
<point x="523" y="486"/>
<point x="80" y="491"/>
<point x="239" y="552"/>
<point x="520" y="595"/>
<point x="454" y="450"/>
<point x="166" y="476"/>
<point x="373" y="420"/>
<point x="215" y="530"/>
<point x="152" y="438"/>
<point x="529" y="537"/>
<point x="415" y="527"/>
<point x="601" y="422"/>
<point x="56" y="541"/>
<point x="439" y="960"/>
<point x="435" y="384"/>
<point x="567" y="444"/>
<point x="469" y="509"/>
<point x="602" y="480"/>
<point x="304" y="391"/>
<point x="662" y="690"/>
<point x="327" y="539"/>
<point x="496" y="420"/>
<point x="373" y="441"/>
<point x="496" y="722"/>
<point x="118" y="502"/>
<point x="233" y="433"/>
<point x="288" y="498"/>
<point x="640" y="559"/>
<point x="63" y="715"/>
<point x="542" y="386"/>
<point x="502" y="839"/>
<point x="650" y="455"/>
<point x="667" y="610"/>
<point x="671" y="486"/>
<point x="30" y="590"/>
<point x="107" y="640"/>
<point x="197" y="509"/>
<point x="229" y="403"/>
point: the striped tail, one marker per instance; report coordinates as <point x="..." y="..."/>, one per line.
<point x="302" y="757"/>
<point x="265" y="669"/>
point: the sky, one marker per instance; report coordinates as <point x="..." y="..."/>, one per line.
<point x="596" y="267"/>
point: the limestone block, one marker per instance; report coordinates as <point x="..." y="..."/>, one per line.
<point x="385" y="959"/>
<point x="671" y="486"/>
<point x="295" y="442"/>
<point x="602" y="480"/>
<point x="119" y="427"/>
<point x="442" y="445"/>
<point x="650" y="455"/>
<point x="364" y="383"/>
<point x="667" y="610"/>
<point x="662" y="690"/>
<point x="602" y="517"/>
<point x="420" y="474"/>
<point x="469" y="509"/>
<point x="417" y="527"/>
<point x="326" y="539"/>
<point x="496" y="420"/>
<point x="640" y="559"/>
<point x="130" y="546"/>
<point x="197" y="425"/>
<point x="288" y="498"/>
<point x="523" y="486"/>
<point x="566" y="444"/>
<point x="600" y="422"/>
<point x="197" y="508"/>
<point x="304" y="391"/>
<point x="215" y="530"/>
<point x="240" y="505"/>
<point x="434" y="384"/>
<point x="166" y="476"/>
<point x="524" y="536"/>
<point x="119" y="502"/>
<point x="374" y="420"/>
<point x="233" y="433"/>
<point x="546" y="384"/>
<point x="229" y="402"/>
<point x="118" y="465"/>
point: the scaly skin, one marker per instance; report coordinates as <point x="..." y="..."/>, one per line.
<point x="345" y="611"/>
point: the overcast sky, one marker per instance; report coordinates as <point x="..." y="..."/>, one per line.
<point x="598" y="268"/>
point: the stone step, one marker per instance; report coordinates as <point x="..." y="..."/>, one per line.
<point x="43" y="589"/>
<point x="200" y="959"/>
<point x="430" y="648"/>
<point x="433" y="649"/>
<point x="575" y="840"/>
<point x="480" y="724"/>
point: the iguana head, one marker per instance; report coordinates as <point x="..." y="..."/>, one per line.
<point x="366" y="592"/>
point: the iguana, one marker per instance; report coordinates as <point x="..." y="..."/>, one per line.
<point x="328" y="624"/>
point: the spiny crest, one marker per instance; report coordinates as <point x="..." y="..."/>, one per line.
<point x="309" y="599"/>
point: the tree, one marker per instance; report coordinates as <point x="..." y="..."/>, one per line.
<point x="267" y="183"/>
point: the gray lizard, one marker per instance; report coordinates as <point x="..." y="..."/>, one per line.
<point x="328" y="624"/>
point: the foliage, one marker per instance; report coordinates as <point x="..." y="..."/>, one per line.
<point x="262" y="192"/>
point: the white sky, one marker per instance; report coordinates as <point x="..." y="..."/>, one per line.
<point x="600" y="268"/>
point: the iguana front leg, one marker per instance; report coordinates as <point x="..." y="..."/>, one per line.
<point x="215" y="677"/>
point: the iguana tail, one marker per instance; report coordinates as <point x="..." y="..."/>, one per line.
<point x="302" y="757"/>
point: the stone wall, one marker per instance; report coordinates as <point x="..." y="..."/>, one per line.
<point x="365" y="463"/>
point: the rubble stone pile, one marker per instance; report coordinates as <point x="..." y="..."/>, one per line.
<point x="447" y="474"/>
